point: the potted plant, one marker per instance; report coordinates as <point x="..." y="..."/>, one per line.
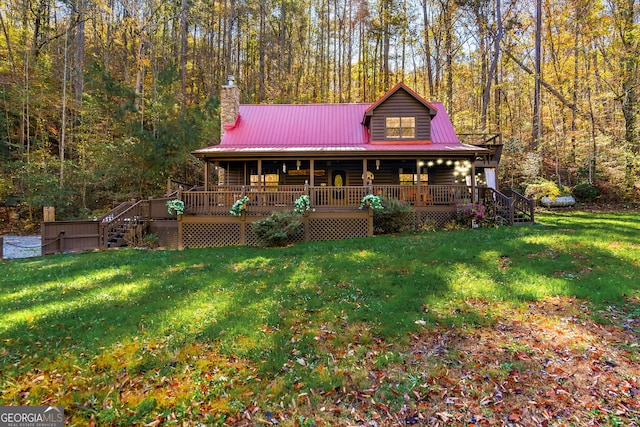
<point x="302" y="205"/>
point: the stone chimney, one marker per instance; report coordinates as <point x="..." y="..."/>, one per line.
<point x="229" y="105"/>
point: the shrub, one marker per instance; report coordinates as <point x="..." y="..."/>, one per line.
<point x="585" y="192"/>
<point x="468" y="213"/>
<point x="542" y="188"/>
<point x="151" y="240"/>
<point x="452" y="226"/>
<point x="395" y="216"/>
<point x="277" y="229"/>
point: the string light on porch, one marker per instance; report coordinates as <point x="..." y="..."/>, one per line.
<point x="449" y="162"/>
<point x="439" y="161"/>
<point x="430" y="163"/>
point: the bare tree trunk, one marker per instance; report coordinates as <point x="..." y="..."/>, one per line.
<point x="8" y="41"/>
<point x="78" y="78"/>
<point x="261" y="53"/>
<point x="576" y="63"/>
<point x="492" y="68"/>
<point x="536" y="127"/>
<point x="448" y="51"/>
<point x="63" y="125"/>
<point x="184" y="8"/>
<point x="386" y="43"/>
<point x="229" y="35"/>
<point x="427" y="48"/>
<point x="630" y="65"/>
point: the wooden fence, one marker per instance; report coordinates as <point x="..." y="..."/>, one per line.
<point x="70" y="236"/>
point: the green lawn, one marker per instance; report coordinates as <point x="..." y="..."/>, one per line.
<point x="331" y="333"/>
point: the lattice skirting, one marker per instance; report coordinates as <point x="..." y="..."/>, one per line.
<point x="202" y="235"/>
<point x="433" y="217"/>
<point x="438" y="218"/>
<point x="335" y="228"/>
<point x="212" y="231"/>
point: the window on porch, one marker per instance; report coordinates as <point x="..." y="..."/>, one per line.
<point x="269" y="180"/>
<point x="412" y="178"/>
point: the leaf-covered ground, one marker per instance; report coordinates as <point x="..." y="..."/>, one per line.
<point x="544" y="363"/>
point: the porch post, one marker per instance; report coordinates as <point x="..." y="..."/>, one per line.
<point x="312" y="172"/>
<point x="474" y="199"/>
<point x="418" y="171"/>
<point x="259" y="174"/>
<point x="206" y="175"/>
<point x="365" y="181"/>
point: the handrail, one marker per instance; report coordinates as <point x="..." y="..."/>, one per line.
<point x="502" y="203"/>
<point x="523" y="205"/>
<point x="482" y="138"/>
<point x="140" y="210"/>
<point x="220" y="200"/>
<point x="116" y="211"/>
<point x="109" y="229"/>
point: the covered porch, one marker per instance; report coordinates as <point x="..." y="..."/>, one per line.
<point x="337" y="183"/>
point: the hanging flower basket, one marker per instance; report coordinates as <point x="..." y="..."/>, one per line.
<point x="239" y="206"/>
<point x="372" y="202"/>
<point x="302" y="205"/>
<point x="176" y="206"/>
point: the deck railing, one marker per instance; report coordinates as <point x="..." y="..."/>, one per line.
<point x="283" y="197"/>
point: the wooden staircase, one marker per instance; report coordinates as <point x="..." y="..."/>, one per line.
<point x="508" y="206"/>
<point x="128" y="223"/>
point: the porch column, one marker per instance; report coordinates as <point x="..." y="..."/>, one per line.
<point x="206" y="175"/>
<point x="474" y="198"/>
<point x="418" y="171"/>
<point x="259" y="174"/>
<point x="312" y="172"/>
<point x="365" y="181"/>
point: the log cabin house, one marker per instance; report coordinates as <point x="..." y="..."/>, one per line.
<point x="401" y="146"/>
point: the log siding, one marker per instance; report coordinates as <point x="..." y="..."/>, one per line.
<point x="401" y="104"/>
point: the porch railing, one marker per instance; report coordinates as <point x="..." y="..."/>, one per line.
<point x="322" y="197"/>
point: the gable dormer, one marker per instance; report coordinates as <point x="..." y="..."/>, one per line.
<point x="401" y="116"/>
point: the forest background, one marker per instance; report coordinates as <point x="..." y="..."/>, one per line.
<point x="103" y="100"/>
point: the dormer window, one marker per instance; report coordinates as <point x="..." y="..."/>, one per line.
<point x="401" y="127"/>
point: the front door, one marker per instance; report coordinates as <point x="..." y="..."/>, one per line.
<point x="338" y="179"/>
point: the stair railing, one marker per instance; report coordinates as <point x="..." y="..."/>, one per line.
<point x="117" y="224"/>
<point x="523" y="207"/>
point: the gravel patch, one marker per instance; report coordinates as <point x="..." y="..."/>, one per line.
<point x="21" y="247"/>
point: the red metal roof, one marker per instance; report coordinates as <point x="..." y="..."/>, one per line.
<point x="285" y="126"/>
<point x="322" y="128"/>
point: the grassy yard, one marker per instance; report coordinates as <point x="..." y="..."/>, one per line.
<point x="526" y="326"/>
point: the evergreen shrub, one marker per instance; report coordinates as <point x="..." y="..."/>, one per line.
<point x="277" y="229"/>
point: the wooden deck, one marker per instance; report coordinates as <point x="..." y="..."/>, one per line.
<point x="334" y="214"/>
